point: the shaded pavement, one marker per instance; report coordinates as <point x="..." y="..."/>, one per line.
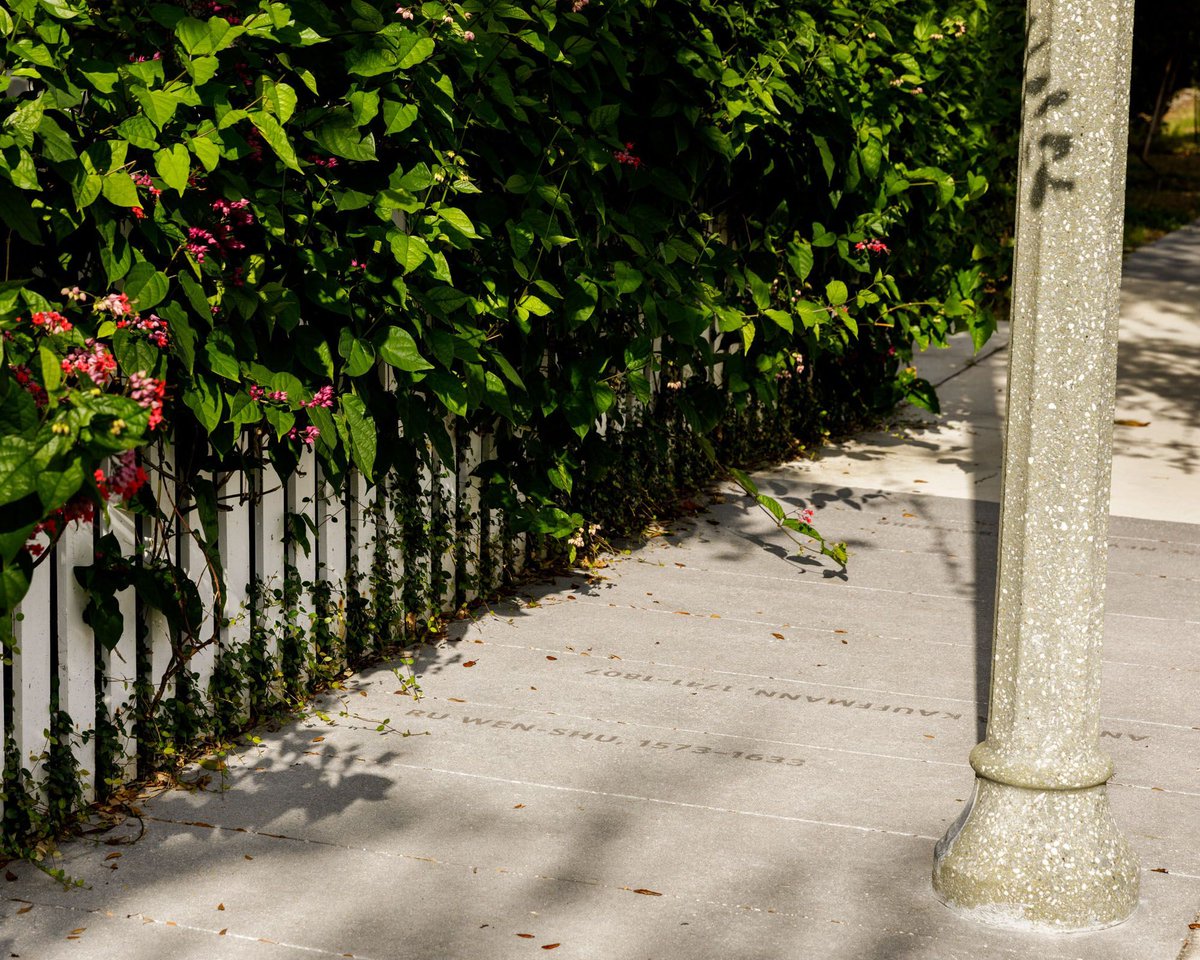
<point x="707" y="749"/>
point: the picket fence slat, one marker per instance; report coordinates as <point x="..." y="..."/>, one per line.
<point x="203" y="656"/>
<point x="119" y="665"/>
<point x="76" y="646"/>
<point x="444" y="509"/>
<point x="269" y="555"/>
<point x="31" y="671"/>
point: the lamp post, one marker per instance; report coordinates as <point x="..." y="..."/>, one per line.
<point x="1037" y="847"/>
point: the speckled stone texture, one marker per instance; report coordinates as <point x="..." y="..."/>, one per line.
<point x="1038" y="859"/>
<point x="1039" y="847"/>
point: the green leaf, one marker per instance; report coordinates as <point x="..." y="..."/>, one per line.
<point x="341" y="136"/>
<point x="55" y="487"/>
<point x="871" y="154"/>
<point x="146" y="286"/>
<point x="782" y="319"/>
<point x="534" y="305"/>
<point x="920" y="393"/>
<point x="206" y="151"/>
<point x="361" y="429"/>
<point x="119" y="190"/>
<point x="410" y="54"/>
<point x="836" y="292"/>
<point x="358" y="354"/>
<point x="174" y="166"/>
<point x="51" y="368"/>
<point x="219" y="348"/>
<point x="744" y="481"/>
<point x="275" y="137"/>
<point x="822" y="146"/>
<point x="279" y="98"/>
<point x="459" y="221"/>
<point x="14" y="581"/>
<point x="158" y="105"/>
<point x="17" y="468"/>
<point x="140" y="132"/>
<point x="398" y="117"/>
<point x="628" y="279"/>
<point x="202" y="69"/>
<point x="410" y="252"/>
<point x="800" y="256"/>
<point x="399" y="349"/>
<point x="450" y="390"/>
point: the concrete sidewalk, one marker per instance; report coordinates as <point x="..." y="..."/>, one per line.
<point x="707" y="749"/>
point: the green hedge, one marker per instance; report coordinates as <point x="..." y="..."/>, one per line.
<point x="526" y="210"/>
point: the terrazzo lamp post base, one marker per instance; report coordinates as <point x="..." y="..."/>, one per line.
<point x="1037" y="847"/>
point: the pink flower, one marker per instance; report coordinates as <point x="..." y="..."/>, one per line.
<point x="578" y="6"/>
<point x="148" y="392"/>
<point x="279" y="396"/>
<point x="468" y="36"/>
<point x="405" y="13"/>
<point x="307" y="436"/>
<point x="322" y="398"/>
<point x="257" y="392"/>
<point x="627" y="157"/>
<point x="872" y="246"/>
<point x="51" y="321"/>
<point x="92" y="360"/>
<point x="806" y="515"/>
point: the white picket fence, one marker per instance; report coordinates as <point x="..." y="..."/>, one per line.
<point x="353" y="530"/>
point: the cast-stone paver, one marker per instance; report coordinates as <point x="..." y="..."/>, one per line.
<point x="705" y="749"/>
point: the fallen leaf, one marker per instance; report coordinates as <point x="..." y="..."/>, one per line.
<point x="550" y="946"/>
<point x="114" y="855"/>
<point x="317" y="739"/>
<point x="910" y="515"/>
<point x="647" y="893"/>
<point x="1132" y="423"/>
<point x="551" y="658"/>
<point x="220" y="906"/>
<point x="1194" y="926"/>
<point x="847" y="642"/>
<point x="777" y="636"/>
<point x="470" y="663"/>
<point x="79" y="929"/>
<point x="839" y="631"/>
<point x="920" y="481"/>
<point x="525" y="936"/>
<point x="929" y="736"/>
<point x="223" y="931"/>
<point x="172" y="923"/>
<point x="1159" y="789"/>
<point x="247" y="856"/>
<point x="25" y="909"/>
<point x="613" y="656"/>
<point x="678" y="564"/>
<point x="456" y="700"/>
<point x="1159" y="870"/>
<point x="518" y="806"/>
<point x="683" y="613"/>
